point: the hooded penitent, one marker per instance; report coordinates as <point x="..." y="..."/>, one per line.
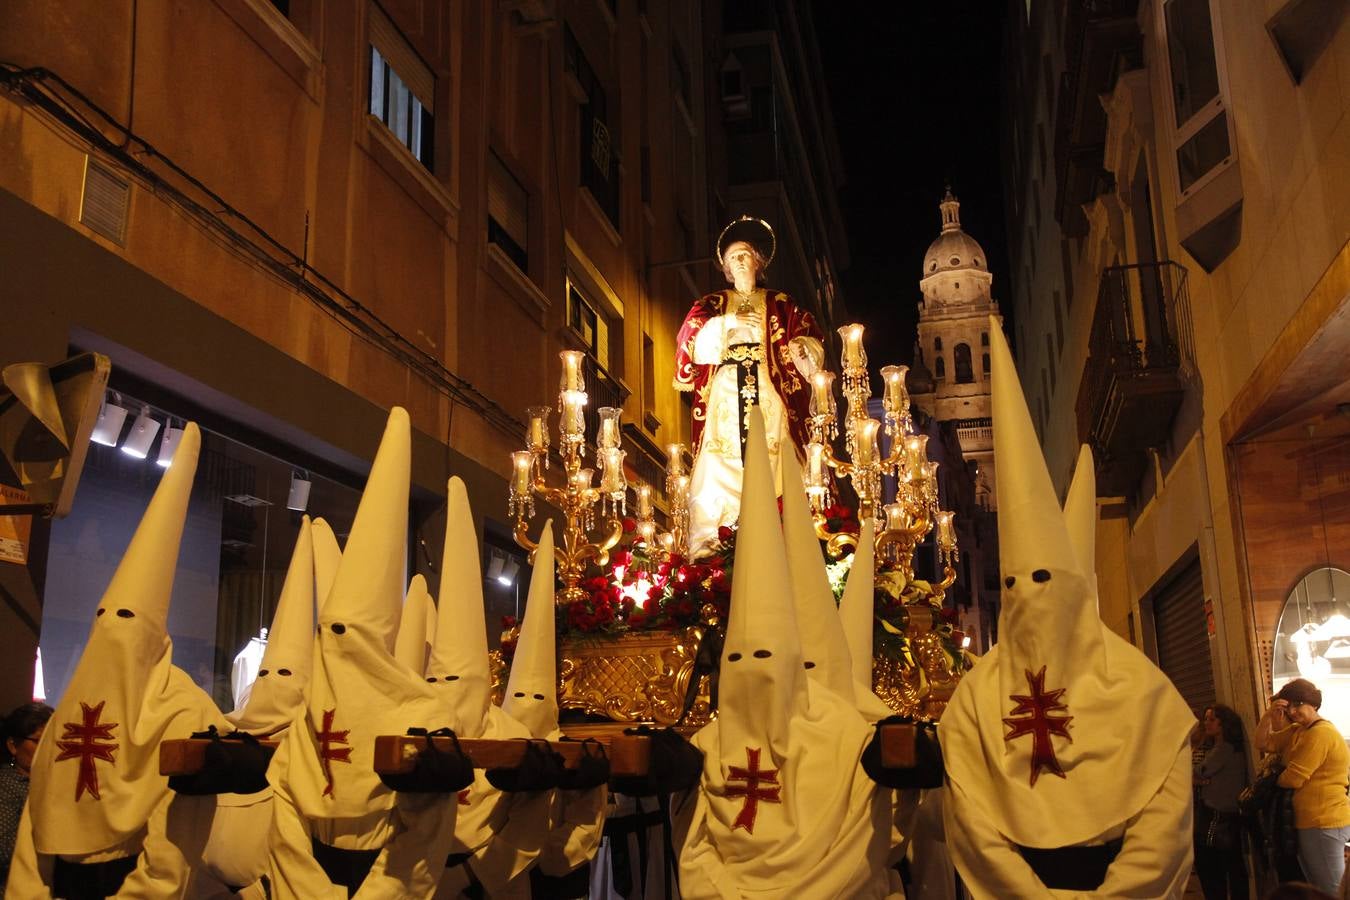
<point x="782" y="801"/>
<point x="497" y="828"/>
<point x="358" y="691"/>
<point x="856" y="617"/>
<point x="278" y="692"/>
<point x="1038" y="734"/>
<point x="96" y="770"/>
<point x="532" y="689"/>
<point x="417" y="627"/>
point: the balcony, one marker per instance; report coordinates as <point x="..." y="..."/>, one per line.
<point x="1132" y="384"/>
<point x="975" y="434"/>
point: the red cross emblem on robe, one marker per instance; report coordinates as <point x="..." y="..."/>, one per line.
<point x="754" y="777"/>
<point x="328" y="753"/>
<point x="82" y="742"/>
<point x="1031" y="715"/>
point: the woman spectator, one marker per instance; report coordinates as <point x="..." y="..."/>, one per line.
<point x="21" y="729"/>
<point x="1219" y="778"/>
<point x="1315" y="766"/>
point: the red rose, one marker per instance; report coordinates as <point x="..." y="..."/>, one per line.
<point x="724" y="533"/>
<point x="508" y="622"/>
<point x="629" y="525"/>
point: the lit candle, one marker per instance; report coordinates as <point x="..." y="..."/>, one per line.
<point x="854" y="355"/>
<point x="895" y="400"/>
<point x="897" y="517"/>
<point x="667" y="542"/>
<point x="822" y="393"/>
<point x="916" y="453"/>
<point x="581" y="479"/>
<point x="865" y="442"/>
<point x="522" y="462"/>
<point x="573" y="379"/>
<point x="536" y="433"/>
<point x="609" y="427"/>
<point x="946" y="536"/>
<point x="679" y="489"/>
<point x="647" y="531"/>
<point x="611" y="479"/>
<point x="815" y="465"/>
<point x="573" y="419"/>
<point x="675" y="459"/>
<point x="644" y="501"/>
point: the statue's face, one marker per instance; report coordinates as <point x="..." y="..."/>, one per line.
<point x="739" y="259"/>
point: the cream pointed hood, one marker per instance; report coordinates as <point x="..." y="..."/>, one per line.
<point x="762" y="683"/>
<point x="1080" y="515"/>
<point x="417" y="627"/>
<point x="459" y="654"/>
<point x="359" y="691"/>
<point x="1061" y="705"/>
<point x="278" y="693"/>
<point x="532" y="690"/>
<point x="327" y="555"/>
<point x="96" y="774"/>
<point x="825" y="651"/>
<point x="856" y="615"/>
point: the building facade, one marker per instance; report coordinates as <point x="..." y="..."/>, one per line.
<point x="279" y="219"/>
<point x="1178" y="213"/>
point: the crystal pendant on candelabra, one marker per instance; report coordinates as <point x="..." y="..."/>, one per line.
<point x="895" y="401"/>
<point x="520" y="502"/>
<point x="536" y="432"/>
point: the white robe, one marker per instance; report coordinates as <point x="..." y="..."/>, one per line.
<point x="715" y="482"/>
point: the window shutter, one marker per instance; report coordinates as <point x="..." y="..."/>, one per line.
<point x="508" y="203"/>
<point x="396" y="50"/>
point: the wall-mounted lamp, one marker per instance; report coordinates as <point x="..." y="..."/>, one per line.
<point x="142" y="435"/>
<point x="108" y="428"/>
<point x="298" y="498"/>
<point x="168" y="445"/>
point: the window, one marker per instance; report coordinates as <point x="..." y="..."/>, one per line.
<point x="508" y="213"/>
<point x="598" y="155"/>
<point x="1202" y="138"/>
<point x="939" y="369"/>
<point x="984" y="339"/>
<point x="402" y="88"/>
<point x="937" y="344"/>
<point x="584" y="318"/>
<point x="961" y="359"/>
<point x="985" y="363"/>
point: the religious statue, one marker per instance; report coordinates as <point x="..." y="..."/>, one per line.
<point x="742" y="347"/>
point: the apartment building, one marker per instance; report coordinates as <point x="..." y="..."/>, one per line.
<point x="1178" y="210"/>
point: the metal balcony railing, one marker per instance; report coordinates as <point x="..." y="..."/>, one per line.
<point x="1139" y="348"/>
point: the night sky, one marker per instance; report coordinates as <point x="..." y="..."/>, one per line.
<point x="914" y="89"/>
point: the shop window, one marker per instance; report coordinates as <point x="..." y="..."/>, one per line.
<point x="402" y="88"/>
<point x="961" y="360"/>
<point x="235" y="550"/>
<point x="508" y="213"/>
<point x="1312" y="640"/>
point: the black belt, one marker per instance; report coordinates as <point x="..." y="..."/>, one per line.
<point x="90" y="881"/>
<point x="346" y="868"/>
<point x="1072" y="868"/>
<point x="746" y="358"/>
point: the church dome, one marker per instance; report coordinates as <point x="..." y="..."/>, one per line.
<point x="953" y="249"/>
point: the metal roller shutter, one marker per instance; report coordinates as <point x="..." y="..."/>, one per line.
<point x="1183" y="641"/>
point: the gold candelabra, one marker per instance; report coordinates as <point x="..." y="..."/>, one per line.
<point x="579" y="499"/>
<point x="903" y="523"/>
